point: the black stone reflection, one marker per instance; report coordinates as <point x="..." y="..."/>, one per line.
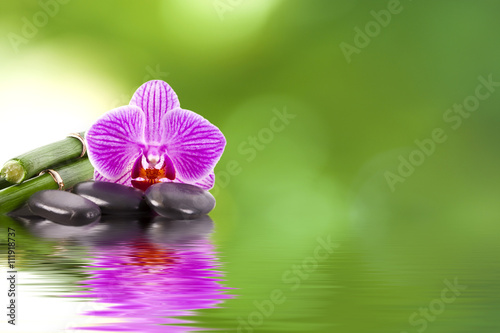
<point x="178" y="232"/>
<point x="140" y="273"/>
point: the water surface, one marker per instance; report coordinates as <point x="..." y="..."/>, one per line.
<point x="156" y="275"/>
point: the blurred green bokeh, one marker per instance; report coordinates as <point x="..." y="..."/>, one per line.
<point x="324" y="171"/>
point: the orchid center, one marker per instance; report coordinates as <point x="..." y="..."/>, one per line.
<point x="151" y="170"/>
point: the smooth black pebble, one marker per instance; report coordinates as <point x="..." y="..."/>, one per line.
<point x="179" y="201"/>
<point x="113" y="198"/>
<point x="64" y="208"/>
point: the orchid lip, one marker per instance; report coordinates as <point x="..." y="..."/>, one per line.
<point x="144" y="173"/>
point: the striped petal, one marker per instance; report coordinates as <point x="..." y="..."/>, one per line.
<point x="205" y="183"/>
<point x="116" y="140"/>
<point x="124" y="180"/>
<point x="155" y="98"/>
<point x="193" y="144"/>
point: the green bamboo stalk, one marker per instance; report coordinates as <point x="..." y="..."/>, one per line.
<point x="4" y="183"/>
<point x="31" y="163"/>
<point x="73" y="173"/>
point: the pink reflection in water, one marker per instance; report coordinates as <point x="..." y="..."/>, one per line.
<point x="149" y="282"/>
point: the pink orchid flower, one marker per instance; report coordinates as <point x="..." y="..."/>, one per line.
<point x="153" y="140"/>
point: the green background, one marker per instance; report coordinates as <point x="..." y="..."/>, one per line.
<point x="324" y="174"/>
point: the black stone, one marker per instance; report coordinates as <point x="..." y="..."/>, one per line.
<point x="24" y="212"/>
<point x="179" y="201"/>
<point x="113" y="198"/>
<point x="64" y="208"/>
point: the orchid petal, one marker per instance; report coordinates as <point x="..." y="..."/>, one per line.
<point x="192" y="142"/>
<point x="115" y="141"/>
<point x="124" y="180"/>
<point x="206" y="183"/>
<point x="155" y="98"/>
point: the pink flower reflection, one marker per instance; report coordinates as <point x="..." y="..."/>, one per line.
<point x="148" y="283"/>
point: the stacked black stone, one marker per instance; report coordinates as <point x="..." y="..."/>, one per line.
<point x="89" y="200"/>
